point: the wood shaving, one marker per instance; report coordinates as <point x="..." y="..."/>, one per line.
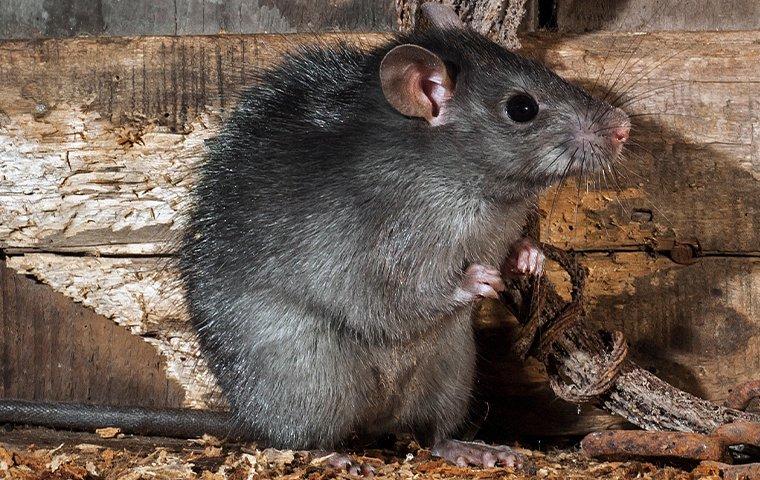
<point x="137" y="458"/>
<point x="108" y="432"/>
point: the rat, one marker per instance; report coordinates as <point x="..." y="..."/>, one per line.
<point x="351" y="211"/>
<point x="354" y="208"/>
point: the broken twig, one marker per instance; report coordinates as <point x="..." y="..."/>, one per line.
<point x="590" y="367"/>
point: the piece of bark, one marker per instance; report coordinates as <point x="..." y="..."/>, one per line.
<point x="497" y="19"/>
<point x="578" y="357"/>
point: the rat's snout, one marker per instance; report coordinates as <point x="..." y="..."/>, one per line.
<point x="620" y="135"/>
<point x="611" y="128"/>
<point x="619" y="127"/>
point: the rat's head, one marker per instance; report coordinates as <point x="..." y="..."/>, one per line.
<point x="519" y="123"/>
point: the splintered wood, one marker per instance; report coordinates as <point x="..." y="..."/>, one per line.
<point x="99" y="139"/>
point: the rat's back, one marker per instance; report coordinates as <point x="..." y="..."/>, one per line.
<point x="346" y="218"/>
<point x="273" y="162"/>
<point x="280" y="258"/>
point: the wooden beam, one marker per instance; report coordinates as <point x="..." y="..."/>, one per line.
<point x="34" y="18"/>
<point x="654" y="15"/>
<point x="55" y="349"/>
<point x="142" y="296"/>
<point x="99" y="137"/>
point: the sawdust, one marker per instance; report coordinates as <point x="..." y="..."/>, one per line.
<point x="189" y="460"/>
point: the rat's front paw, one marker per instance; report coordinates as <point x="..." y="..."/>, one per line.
<point x="480" y="281"/>
<point x="525" y="258"/>
<point x="475" y="454"/>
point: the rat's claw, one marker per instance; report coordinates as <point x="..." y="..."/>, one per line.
<point x="480" y="281"/>
<point x="525" y="258"/>
<point x="466" y="454"/>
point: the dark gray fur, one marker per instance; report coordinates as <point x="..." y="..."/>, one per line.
<point x="330" y="233"/>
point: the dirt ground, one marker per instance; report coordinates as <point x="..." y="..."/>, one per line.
<point x="32" y="454"/>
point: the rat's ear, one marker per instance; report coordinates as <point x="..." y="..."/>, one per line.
<point x="437" y="15"/>
<point x="415" y="81"/>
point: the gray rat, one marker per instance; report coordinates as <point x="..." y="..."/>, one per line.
<point x="351" y="211"/>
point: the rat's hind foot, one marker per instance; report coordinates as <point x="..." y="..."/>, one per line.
<point x="343" y="462"/>
<point x="477" y="454"/>
<point x="525" y="258"/>
<point x="480" y="281"/>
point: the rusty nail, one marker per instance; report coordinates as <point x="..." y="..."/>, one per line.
<point x="738" y="433"/>
<point x="634" y="443"/>
<point x="691" y="446"/>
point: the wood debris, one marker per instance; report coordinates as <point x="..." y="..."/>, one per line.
<point x="108" y="432"/>
<point x="135" y="458"/>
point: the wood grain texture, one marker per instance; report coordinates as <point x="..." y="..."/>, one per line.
<point x="98" y="139"/>
<point x="692" y="172"/>
<point x="653" y="15"/>
<point x="71" y="18"/>
<point x="140" y="295"/>
<point x="54" y="349"/>
<point x="73" y="180"/>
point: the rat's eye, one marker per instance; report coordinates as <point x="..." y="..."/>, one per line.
<point x="522" y="108"/>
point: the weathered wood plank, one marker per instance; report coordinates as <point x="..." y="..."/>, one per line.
<point x="68" y="181"/>
<point x="652" y="15"/>
<point x="140" y="296"/>
<point x="70" y="18"/>
<point x="693" y="171"/>
<point x="697" y="326"/>
<point x="67" y="184"/>
<point x="54" y="349"/>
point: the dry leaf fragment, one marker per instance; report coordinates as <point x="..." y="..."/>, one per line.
<point x="212" y="451"/>
<point x="279" y="458"/>
<point x="108" y="455"/>
<point x="91" y="469"/>
<point x="6" y="459"/>
<point x="108" y="432"/>
<point x="88" y="448"/>
<point x="207" y="440"/>
<point x="59" y="460"/>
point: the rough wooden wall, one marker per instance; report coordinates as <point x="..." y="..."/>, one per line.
<point x="69" y="18"/>
<point x="653" y="15"/>
<point x="55" y="349"/>
<point x="98" y="138"/>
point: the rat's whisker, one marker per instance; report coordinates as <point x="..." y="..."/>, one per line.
<point x="563" y="177"/>
<point x="637" y="78"/>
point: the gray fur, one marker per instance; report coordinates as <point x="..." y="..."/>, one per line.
<point x="330" y="234"/>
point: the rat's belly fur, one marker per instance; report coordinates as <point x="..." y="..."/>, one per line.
<point x="424" y="385"/>
<point x="310" y="387"/>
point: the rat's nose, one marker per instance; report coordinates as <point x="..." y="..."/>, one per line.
<point x="620" y="135"/>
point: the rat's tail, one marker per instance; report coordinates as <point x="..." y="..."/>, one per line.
<point x="179" y="423"/>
